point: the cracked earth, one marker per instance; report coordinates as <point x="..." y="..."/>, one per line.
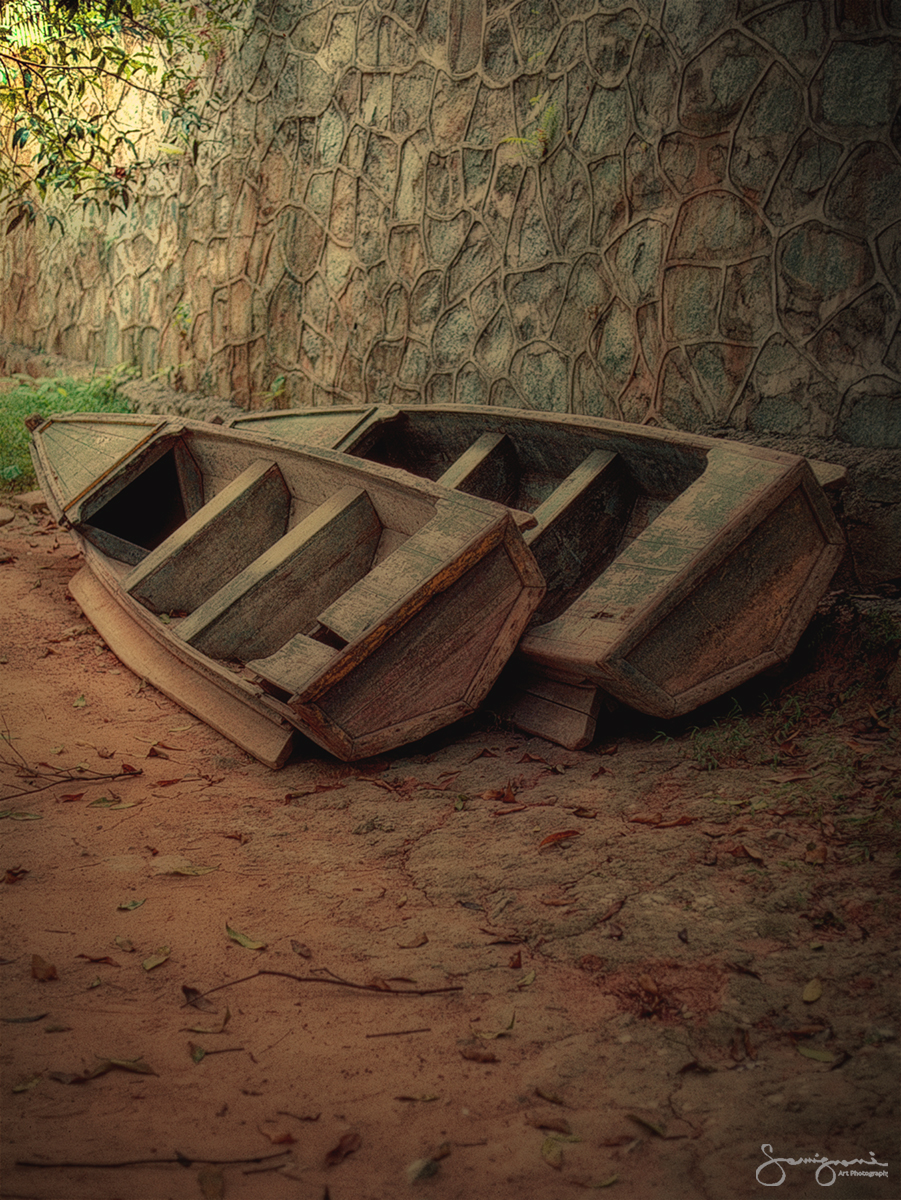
<point x="627" y="967"/>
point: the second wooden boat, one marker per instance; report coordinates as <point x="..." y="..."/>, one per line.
<point x="678" y="566"/>
<point x="267" y="588"/>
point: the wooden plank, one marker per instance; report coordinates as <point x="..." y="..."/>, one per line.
<point x="563" y="713"/>
<point x="489" y="469"/>
<point x="119" y="549"/>
<point x="283" y="589"/>
<point x="436" y="659"/>
<point x="216" y="543"/>
<point x="84" y="452"/>
<point x="241" y="720"/>
<point x="405" y="571"/>
<point x="293" y="665"/>
<point x="580" y="524"/>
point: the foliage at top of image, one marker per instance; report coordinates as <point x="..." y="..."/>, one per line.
<point x="46" y="396"/>
<point x="72" y="76"/>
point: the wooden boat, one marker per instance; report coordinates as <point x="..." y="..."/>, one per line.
<point x="266" y="587"/>
<point x="678" y="566"/>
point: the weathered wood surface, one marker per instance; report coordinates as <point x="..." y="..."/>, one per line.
<point x="489" y="468"/>
<point x="204" y="553"/>
<point x="564" y="713"/>
<point x="73" y="457"/>
<point x="719" y="587"/>
<point x="284" y="588"/>
<point x="580" y="525"/>
<point x="424" y="667"/>
<point x="294" y="665"/>
<point x="218" y="702"/>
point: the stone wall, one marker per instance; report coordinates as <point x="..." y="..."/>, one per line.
<point x="687" y="212"/>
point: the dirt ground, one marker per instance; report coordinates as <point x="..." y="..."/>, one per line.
<point x="481" y="967"/>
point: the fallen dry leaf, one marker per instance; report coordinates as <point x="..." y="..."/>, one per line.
<point x="552" y="1153"/>
<point x="157" y="958"/>
<point x="554" y="839"/>
<point x="612" y="910"/>
<point x="549" y="1121"/>
<point x="212" y="1183"/>
<point x="412" y="940"/>
<point x="812" y="992"/>
<point x="41" y="969"/>
<point x="196" y="999"/>
<point x="347" y="1145"/>
<point x="276" y="1133"/>
<point x="243" y="940"/>
<point x="474" y="1054"/>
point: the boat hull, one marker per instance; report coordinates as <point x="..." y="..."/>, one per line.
<point x="699" y="561"/>
<point x="270" y="589"/>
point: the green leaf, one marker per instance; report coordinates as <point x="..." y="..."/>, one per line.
<point x="15" y="815"/>
<point x="80" y="702"/>
<point x="129" y="905"/>
<point x="243" y="940"/>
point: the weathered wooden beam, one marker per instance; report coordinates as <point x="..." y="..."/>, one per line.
<point x="215" y="544"/>
<point x="406" y="570"/>
<point x="565" y="713"/>
<point x="293" y="665"/>
<point x="581" y="522"/>
<point x="283" y="589"/>
<point x="489" y="469"/>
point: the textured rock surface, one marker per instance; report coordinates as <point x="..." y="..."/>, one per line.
<point x="688" y="213"/>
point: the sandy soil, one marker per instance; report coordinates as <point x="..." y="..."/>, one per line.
<point x="449" y="998"/>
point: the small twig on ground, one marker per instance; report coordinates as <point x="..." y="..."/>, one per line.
<point x="54" y="776"/>
<point x="399" y="1032"/>
<point x="336" y="982"/>
<point x="182" y="1160"/>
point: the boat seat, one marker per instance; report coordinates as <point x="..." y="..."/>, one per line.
<point x="407" y="569"/>
<point x="488" y="469"/>
<point x="580" y="523"/>
<point x="289" y="583"/>
<point x="293" y="665"/>
<point x="203" y="554"/>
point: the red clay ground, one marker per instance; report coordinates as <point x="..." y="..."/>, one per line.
<point x="702" y="966"/>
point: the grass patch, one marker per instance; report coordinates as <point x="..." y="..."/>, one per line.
<point x="45" y="396"/>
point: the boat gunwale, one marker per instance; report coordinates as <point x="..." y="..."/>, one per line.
<point x="570" y="421"/>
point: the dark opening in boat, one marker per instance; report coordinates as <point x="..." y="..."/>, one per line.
<point x="148" y="509"/>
